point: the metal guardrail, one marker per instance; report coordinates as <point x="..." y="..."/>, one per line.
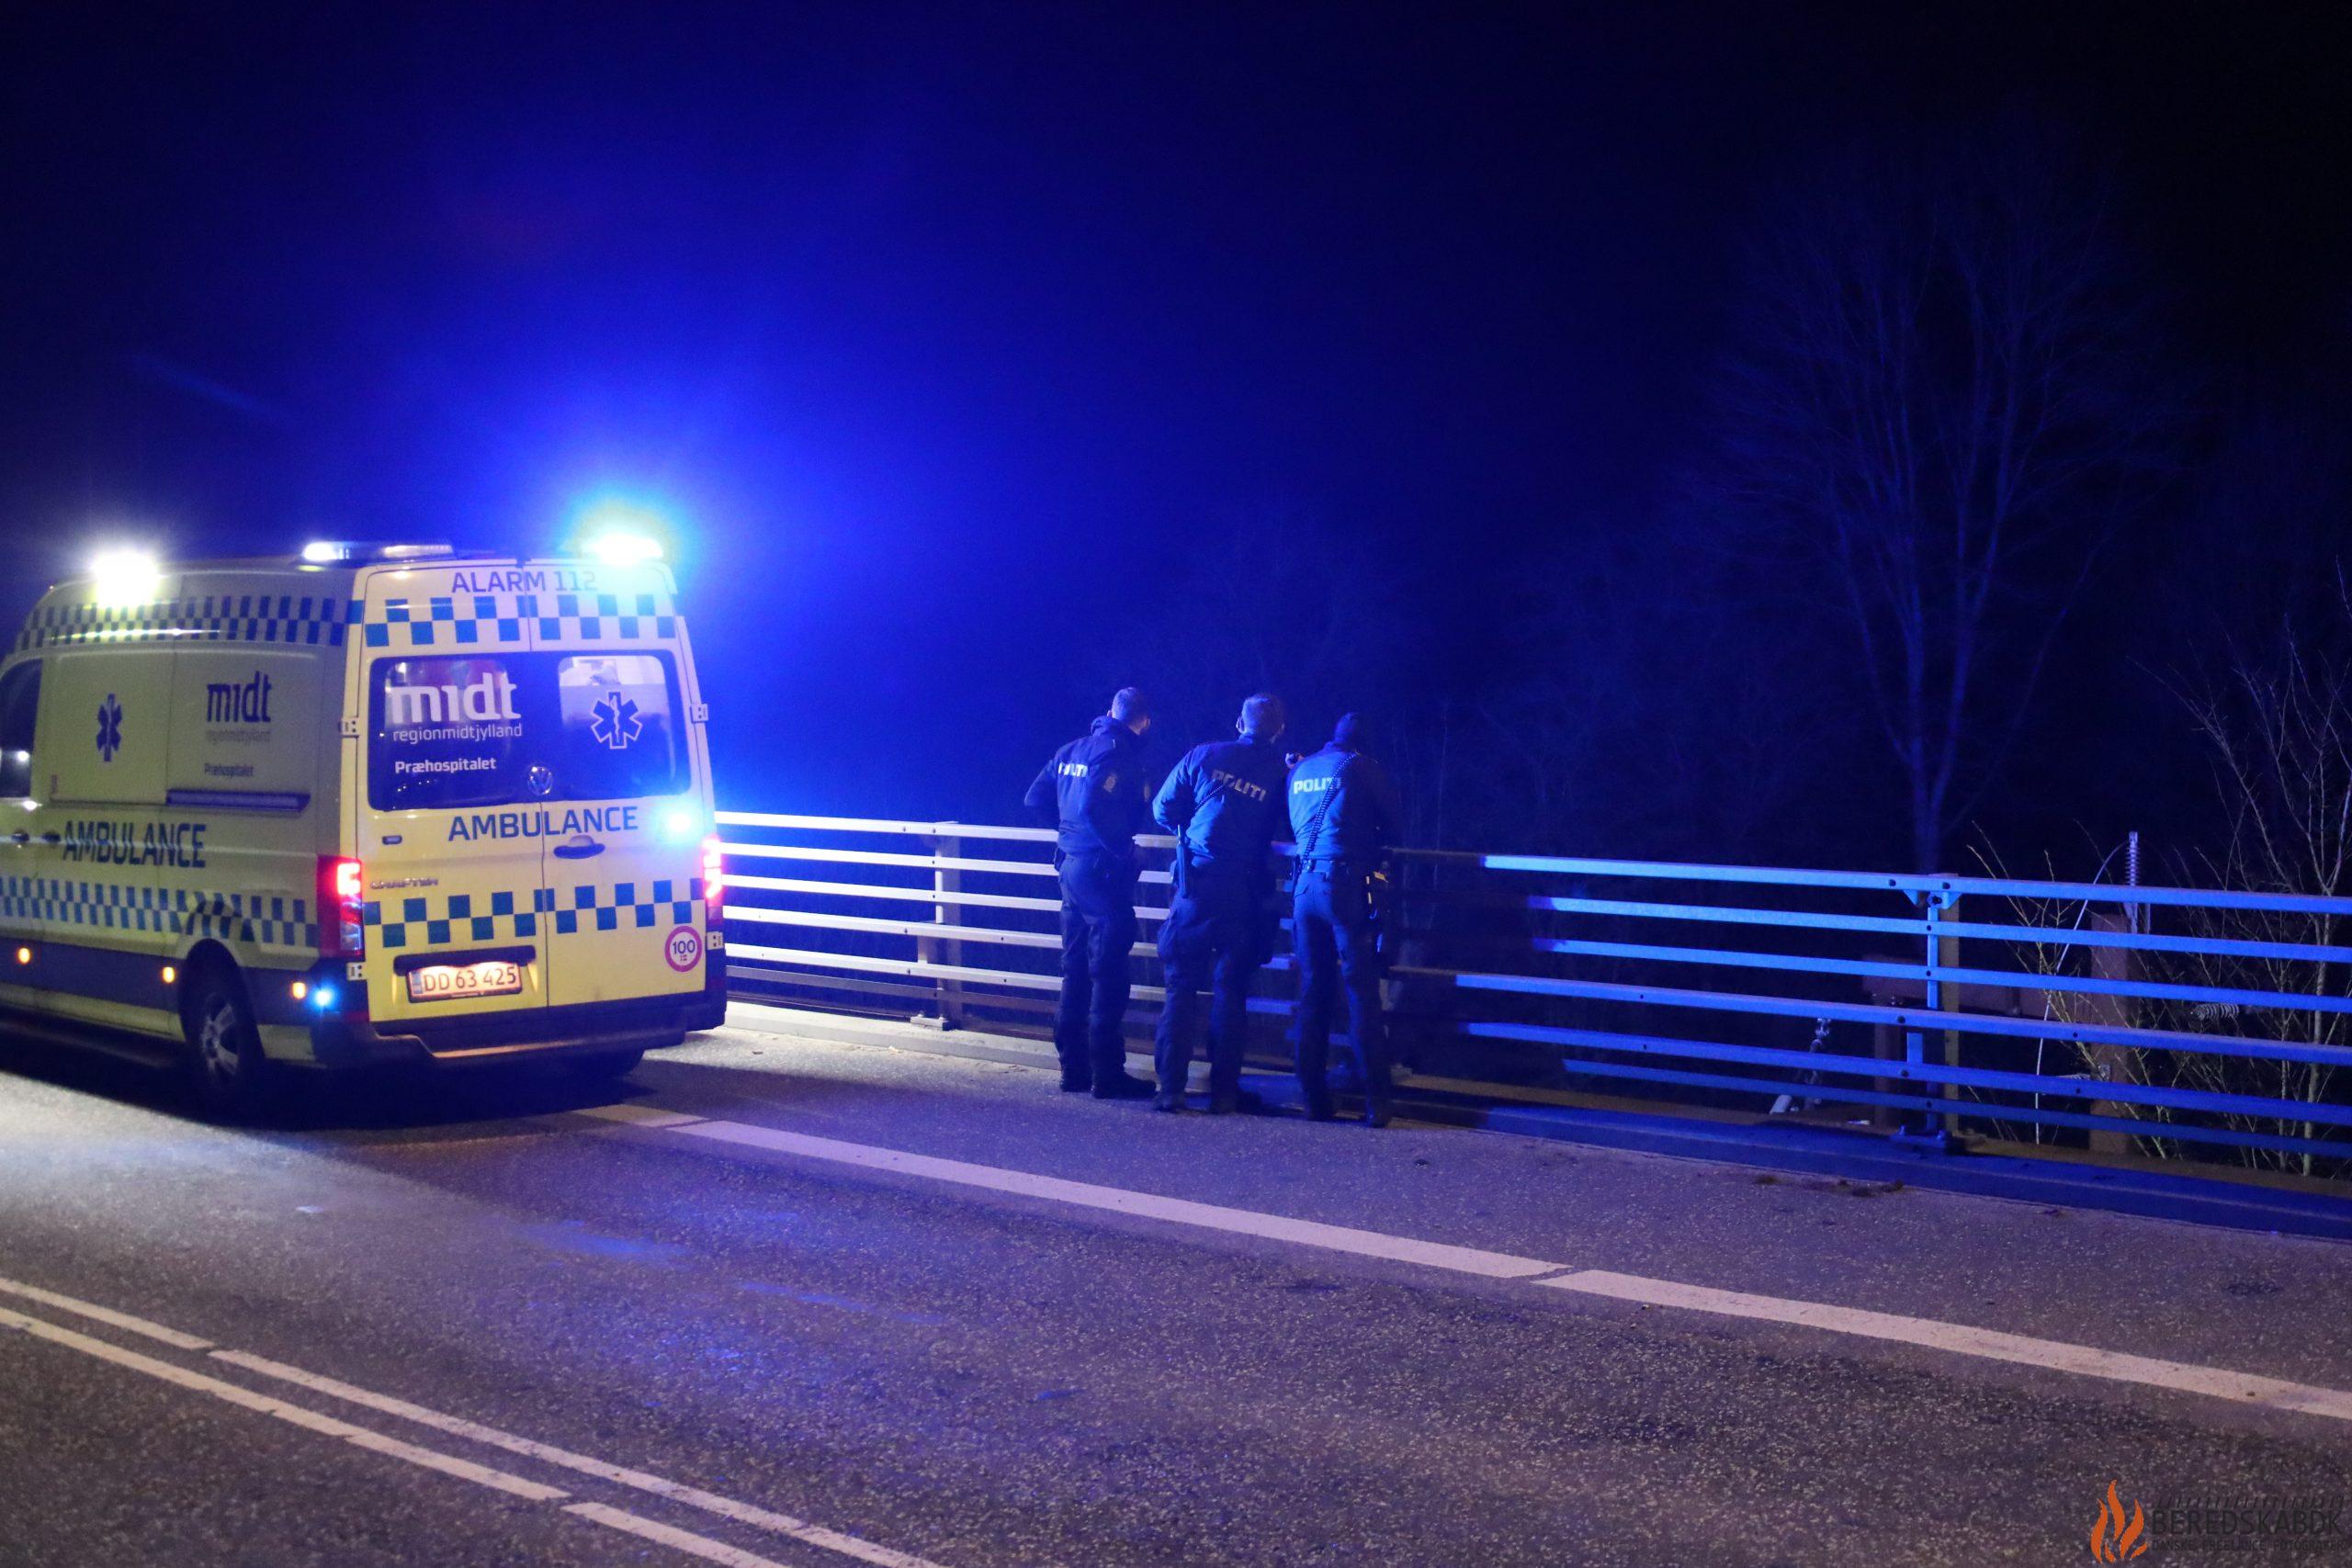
<point x="2075" y="1019"/>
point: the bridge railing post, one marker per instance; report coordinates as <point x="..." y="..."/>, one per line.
<point x="946" y="881"/>
<point x="1942" y="953"/>
<point x="1948" y="1000"/>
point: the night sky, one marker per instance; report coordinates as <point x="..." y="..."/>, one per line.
<point x="944" y="333"/>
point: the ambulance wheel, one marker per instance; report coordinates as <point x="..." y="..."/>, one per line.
<point x="606" y="1064"/>
<point x="225" y="1063"/>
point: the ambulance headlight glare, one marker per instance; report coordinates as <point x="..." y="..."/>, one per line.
<point x="323" y="997"/>
<point x="680" y="823"/>
<point x="126" y="576"/>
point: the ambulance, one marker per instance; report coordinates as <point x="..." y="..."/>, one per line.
<point x="366" y="805"/>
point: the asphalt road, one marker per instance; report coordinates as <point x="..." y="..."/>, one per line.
<point x="479" y="1321"/>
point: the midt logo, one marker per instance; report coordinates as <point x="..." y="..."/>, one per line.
<point x="237" y="701"/>
<point x="485" y="698"/>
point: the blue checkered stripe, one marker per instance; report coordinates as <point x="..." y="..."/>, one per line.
<point x="474" y="620"/>
<point x="441" y="921"/>
<point x="265" y="919"/>
<point x="297" y="618"/>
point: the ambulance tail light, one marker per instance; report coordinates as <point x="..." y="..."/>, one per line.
<point x="714" y="883"/>
<point x="343" y="888"/>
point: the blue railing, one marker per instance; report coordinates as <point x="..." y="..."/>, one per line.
<point x="2157" y="1021"/>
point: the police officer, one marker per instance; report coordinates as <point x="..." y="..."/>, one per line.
<point x="1095" y="788"/>
<point x="1224" y="804"/>
<point x="1345" y="817"/>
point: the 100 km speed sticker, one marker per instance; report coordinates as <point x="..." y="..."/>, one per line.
<point x="683" y="948"/>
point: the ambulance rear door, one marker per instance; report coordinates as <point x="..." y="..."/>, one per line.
<point x="448" y="822"/>
<point x="625" y="850"/>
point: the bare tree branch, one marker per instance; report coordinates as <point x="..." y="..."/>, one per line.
<point x="1945" y="399"/>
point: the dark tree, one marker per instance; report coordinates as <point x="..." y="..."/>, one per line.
<point x="1943" y="405"/>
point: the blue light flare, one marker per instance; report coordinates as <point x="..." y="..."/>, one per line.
<point x="622" y="530"/>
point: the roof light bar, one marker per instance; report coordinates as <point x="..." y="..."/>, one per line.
<point x="331" y="552"/>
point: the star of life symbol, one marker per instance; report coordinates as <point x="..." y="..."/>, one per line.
<point x="110" y="727"/>
<point x="614" y="722"/>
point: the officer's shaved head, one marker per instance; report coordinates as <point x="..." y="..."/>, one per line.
<point x="1262" y="718"/>
<point x="1132" y="708"/>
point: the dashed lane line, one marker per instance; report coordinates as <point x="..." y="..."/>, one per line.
<point x="108" y="1315"/>
<point x="1930" y="1334"/>
<point x="693" y="1545"/>
<point x="767" y="1520"/>
<point x="310" y="1420"/>
<point x="490" y="1436"/>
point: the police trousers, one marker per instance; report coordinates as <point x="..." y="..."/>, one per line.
<point x="1209" y="942"/>
<point x="1331" y="922"/>
<point x="1098" y="930"/>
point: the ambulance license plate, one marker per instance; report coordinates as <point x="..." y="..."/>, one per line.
<point x="459" y="982"/>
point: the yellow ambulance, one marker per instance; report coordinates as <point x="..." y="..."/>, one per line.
<point x="365" y="805"/>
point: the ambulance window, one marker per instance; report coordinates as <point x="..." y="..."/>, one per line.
<point x="19" y="705"/>
<point x="448" y="732"/>
<point x="620" y="737"/>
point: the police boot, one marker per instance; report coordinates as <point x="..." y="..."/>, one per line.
<point x="1080" y="1082"/>
<point x="1122" y="1085"/>
<point x="1376" y="1111"/>
<point x="1169" y="1099"/>
<point x="1318" y="1105"/>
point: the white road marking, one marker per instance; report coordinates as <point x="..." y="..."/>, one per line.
<point x="693" y="1545"/>
<point x="1959" y="1339"/>
<point x="710" y="1502"/>
<point x="2057" y="1355"/>
<point x="448" y="1464"/>
<point x="428" y="1459"/>
<point x="1119" y="1199"/>
<point x="121" y="1320"/>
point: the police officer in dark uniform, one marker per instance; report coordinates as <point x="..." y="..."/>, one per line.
<point x="1095" y="789"/>
<point x="1345" y="817"/>
<point x="1224" y="803"/>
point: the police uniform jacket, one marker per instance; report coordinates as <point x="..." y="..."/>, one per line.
<point x="1095" y="788"/>
<point x="1224" y="804"/>
<point x="1343" y="806"/>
